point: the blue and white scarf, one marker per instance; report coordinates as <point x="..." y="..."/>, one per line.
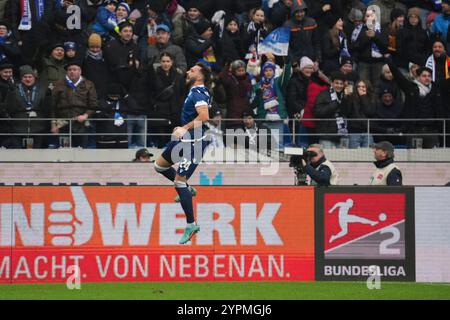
<point x="376" y="53"/>
<point x="25" y="21"/>
<point x="71" y="84"/>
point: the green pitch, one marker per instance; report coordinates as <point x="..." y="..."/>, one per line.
<point x="229" y="291"/>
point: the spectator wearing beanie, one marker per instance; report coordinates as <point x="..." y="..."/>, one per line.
<point x="334" y="45"/>
<point x="386" y="7"/>
<point x="106" y="19"/>
<point x="370" y="47"/>
<point x="269" y="99"/>
<point x="332" y="104"/>
<point x="164" y="44"/>
<point x="347" y="68"/>
<point x="29" y="100"/>
<point x="185" y="24"/>
<point x="414" y="45"/>
<point x="200" y="46"/>
<point x="303" y="88"/>
<point x="114" y="105"/>
<point x="95" y="67"/>
<point x="230" y="46"/>
<point x="238" y="88"/>
<point x="122" y="12"/>
<point x="390" y="106"/>
<point x="305" y="39"/>
<point x="52" y="67"/>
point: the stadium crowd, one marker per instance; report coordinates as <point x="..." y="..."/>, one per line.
<point x="89" y="60"/>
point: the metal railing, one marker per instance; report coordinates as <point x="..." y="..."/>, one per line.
<point x="403" y="128"/>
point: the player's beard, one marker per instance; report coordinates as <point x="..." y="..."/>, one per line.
<point x="190" y="81"/>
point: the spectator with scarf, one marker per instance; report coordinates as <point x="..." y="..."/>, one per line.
<point x="370" y="47"/>
<point x="254" y="32"/>
<point x="29" y="100"/>
<point x="439" y="62"/>
<point x="331" y="106"/>
<point x="423" y="100"/>
<point x="334" y="45"/>
<point x="95" y="67"/>
<point x="269" y="99"/>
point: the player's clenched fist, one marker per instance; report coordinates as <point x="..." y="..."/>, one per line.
<point x="179" y="132"/>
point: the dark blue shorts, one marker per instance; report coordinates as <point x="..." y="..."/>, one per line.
<point x="187" y="154"/>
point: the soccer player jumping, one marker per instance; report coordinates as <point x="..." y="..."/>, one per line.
<point x="191" y="140"/>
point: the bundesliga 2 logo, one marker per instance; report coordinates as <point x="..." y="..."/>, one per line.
<point x="364" y="226"/>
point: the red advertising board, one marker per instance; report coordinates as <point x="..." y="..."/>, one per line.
<point x="131" y="234"/>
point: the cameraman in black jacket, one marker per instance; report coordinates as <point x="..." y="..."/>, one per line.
<point x="321" y="171"/>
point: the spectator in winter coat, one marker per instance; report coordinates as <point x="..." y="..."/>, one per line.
<point x="106" y="19"/>
<point x="95" y="67"/>
<point x="199" y="47"/>
<point x="254" y="32"/>
<point x="115" y="106"/>
<point x="441" y="23"/>
<point x="334" y="45"/>
<point x="52" y="68"/>
<point x="332" y="105"/>
<point x="389" y="107"/>
<point x="9" y="49"/>
<point x="303" y="88"/>
<point x="414" y="45"/>
<point x="439" y="62"/>
<point x="370" y="47"/>
<point x="75" y="98"/>
<point x="122" y="56"/>
<point x="185" y="24"/>
<point x="230" y="46"/>
<point x="394" y="32"/>
<point x="423" y="100"/>
<point x="29" y="100"/>
<point x="163" y="44"/>
<point x="363" y="104"/>
<point x="168" y="85"/>
<point x="238" y="87"/>
<point x="305" y="40"/>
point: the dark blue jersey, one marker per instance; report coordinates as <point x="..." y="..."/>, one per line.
<point x="198" y="96"/>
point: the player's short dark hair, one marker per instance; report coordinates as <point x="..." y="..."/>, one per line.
<point x="206" y="71"/>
